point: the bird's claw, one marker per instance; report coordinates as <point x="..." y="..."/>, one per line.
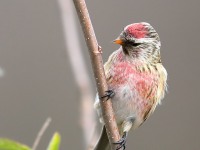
<point x="121" y="142"/>
<point x="109" y="94"/>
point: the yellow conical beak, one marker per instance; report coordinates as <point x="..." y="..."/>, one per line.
<point x="118" y="41"/>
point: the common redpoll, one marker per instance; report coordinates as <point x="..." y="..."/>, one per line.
<point x="136" y="79"/>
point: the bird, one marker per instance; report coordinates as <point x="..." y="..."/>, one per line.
<point x="136" y="78"/>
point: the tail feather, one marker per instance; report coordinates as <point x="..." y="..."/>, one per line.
<point x="103" y="143"/>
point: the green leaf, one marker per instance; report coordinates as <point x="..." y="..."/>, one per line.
<point x="6" y="144"/>
<point x="55" y="142"/>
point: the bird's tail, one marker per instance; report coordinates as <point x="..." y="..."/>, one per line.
<point x="103" y="142"/>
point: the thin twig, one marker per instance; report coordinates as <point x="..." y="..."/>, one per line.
<point x="73" y="48"/>
<point x="98" y="69"/>
<point x="40" y="133"/>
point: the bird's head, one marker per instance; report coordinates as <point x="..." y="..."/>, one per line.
<point x="140" y="41"/>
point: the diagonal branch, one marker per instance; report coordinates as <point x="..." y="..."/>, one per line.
<point x="98" y="69"/>
<point x="40" y="133"/>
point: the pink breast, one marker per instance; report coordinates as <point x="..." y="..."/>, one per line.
<point x="144" y="83"/>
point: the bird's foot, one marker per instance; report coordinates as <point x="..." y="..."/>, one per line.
<point x="122" y="142"/>
<point x="108" y="94"/>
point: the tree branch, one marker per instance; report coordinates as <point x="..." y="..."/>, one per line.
<point x="98" y="69"/>
<point x="73" y="48"/>
<point x="40" y="133"/>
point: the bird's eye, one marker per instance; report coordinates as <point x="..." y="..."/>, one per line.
<point x="133" y="43"/>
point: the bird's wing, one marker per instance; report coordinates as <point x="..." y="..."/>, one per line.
<point x="152" y="87"/>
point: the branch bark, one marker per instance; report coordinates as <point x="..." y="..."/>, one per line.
<point x="98" y="69"/>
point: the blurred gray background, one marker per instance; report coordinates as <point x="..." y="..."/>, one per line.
<point x="37" y="81"/>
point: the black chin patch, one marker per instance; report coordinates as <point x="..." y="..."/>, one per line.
<point x="125" y="50"/>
